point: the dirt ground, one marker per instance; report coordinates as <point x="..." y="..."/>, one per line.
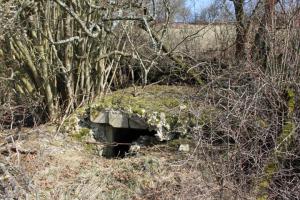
<point x="42" y="164"/>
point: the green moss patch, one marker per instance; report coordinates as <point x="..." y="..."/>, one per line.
<point x="164" y="108"/>
<point x="152" y="98"/>
<point x="82" y="134"/>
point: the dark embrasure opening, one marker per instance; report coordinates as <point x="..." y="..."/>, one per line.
<point x="122" y="138"/>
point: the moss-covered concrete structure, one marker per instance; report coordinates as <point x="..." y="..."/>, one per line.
<point x="124" y="115"/>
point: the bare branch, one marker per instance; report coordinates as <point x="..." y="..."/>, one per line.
<point x="113" y="53"/>
<point x="72" y="39"/>
<point x="93" y="34"/>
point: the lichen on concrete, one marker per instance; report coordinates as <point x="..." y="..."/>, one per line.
<point x="163" y="108"/>
<point x="71" y="125"/>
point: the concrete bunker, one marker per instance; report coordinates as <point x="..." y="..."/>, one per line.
<point x="121" y="131"/>
<point x="158" y="113"/>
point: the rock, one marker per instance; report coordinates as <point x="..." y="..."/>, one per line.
<point x="184" y="148"/>
<point x="135" y="148"/>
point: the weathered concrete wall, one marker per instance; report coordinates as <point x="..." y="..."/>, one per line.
<point x="119" y="119"/>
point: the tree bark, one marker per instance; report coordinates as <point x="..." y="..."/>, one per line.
<point x="262" y="42"/>
<point x="241" y="30"/>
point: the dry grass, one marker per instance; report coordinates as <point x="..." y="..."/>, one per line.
<point x="63" y="168"/>
<point x="210" y="38"/>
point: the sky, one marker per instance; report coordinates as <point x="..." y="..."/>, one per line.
<point x="198" y="4"/>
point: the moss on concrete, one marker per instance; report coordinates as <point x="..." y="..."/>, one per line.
<point x="165" y="109"/>
<point x="82" y="134"/>
<point x="71" y="123"/>
<point x="152" y="98"/>
<point x="165" y="106"/>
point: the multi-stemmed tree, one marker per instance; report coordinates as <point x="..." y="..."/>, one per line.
<point x="68" y="51"/>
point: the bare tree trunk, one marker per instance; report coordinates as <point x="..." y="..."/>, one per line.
<point x="263" y="37"/>
<point x="47" y="87"/>
<point x="241" y="30"/>
<point x="68" y="56"/>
